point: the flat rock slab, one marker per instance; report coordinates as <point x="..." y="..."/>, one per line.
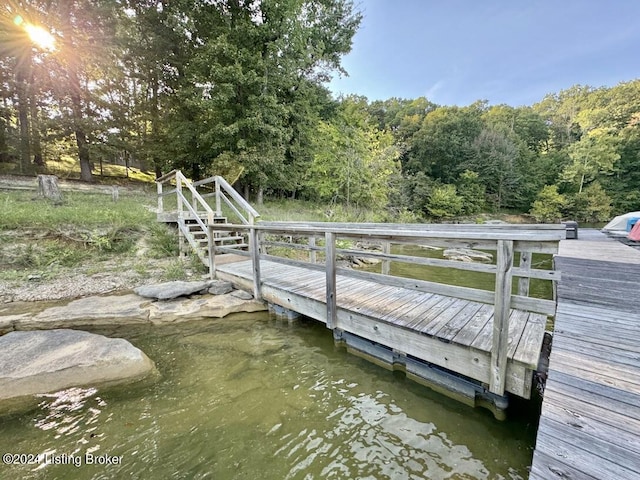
<point x="132" y="309"/>
<point x="207" y="306"/>
<point x="109" y="310"/>
<point x="171" y="290"/>
<point x="467" y="255"/>
<point x="47" y="361"/>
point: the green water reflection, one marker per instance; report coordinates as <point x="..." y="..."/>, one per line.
<point x="256" y="398"/>
<point x="453" y="276"/>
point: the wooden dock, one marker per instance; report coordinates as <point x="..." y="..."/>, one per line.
<point x="479" y="344"/>
<point x="590" y="423"/>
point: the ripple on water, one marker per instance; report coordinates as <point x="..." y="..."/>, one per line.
<point x="253" y="398"/>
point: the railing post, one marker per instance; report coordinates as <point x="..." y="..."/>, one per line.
<point x="179" y="197"/>
<point x="386" y="264"/>
<point x="160" y="199"/>
<point x="212" y="253"/>
<point x="218" y="204"/>
<point x="179" y="194"/>
<point x="330" y="266"/>
<point x="313" y="258"/>
<point x="523" y="282"/>
<point x="255" y="261"/>
<point x="500" y="346"/>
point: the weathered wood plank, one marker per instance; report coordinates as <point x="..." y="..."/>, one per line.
<point x="475" y="326"/>
<point x="458" y="322"/>
<point x="593" y="453"/>
<point x="528" y="351"/>
<point x="330" y="260"/>
<point x="573" y="421"/>
<point x="616" y="407"/>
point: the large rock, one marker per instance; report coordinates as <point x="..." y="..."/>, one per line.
<point x="170" y="290"/>
<point x="51" y="360"/>
<point x="467" y="255"/>
<point x="220" y="287"/>
<point x="122" y="309"/>
<point x="207" y="306"/>
<point x="130" y="309"/>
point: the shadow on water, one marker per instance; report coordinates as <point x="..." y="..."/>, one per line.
<point x="253" y="397"/>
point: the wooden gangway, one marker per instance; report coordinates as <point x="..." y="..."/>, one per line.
<point x="477" y="343"/>
<point x="590" y="422"/>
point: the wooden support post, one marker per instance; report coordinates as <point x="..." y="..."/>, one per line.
<point x="254" y="246"/>
<point x="500" y="346"/>
<point x="212" y="253"/>
<point x="386" y="264"/>
<point x="179" y="196"/>
<point x="218" y="203"/>
<point x="160" y="199"/>
<point x="523" y="282"/>
<point x="330" y="266"/>
<point x="312" y="253"/>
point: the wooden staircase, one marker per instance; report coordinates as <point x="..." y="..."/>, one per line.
<point x="194" y="239"/>
<point x="194" y="215"/>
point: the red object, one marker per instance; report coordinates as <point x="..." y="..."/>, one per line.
<point x="634" y="234"/>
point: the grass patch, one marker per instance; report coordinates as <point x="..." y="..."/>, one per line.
<point x="22" y="210"/>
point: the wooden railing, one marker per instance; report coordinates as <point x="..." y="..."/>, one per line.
<point x="197" y="209"/>
<point x="505" y="240"/>
<point x="224" y="194"/>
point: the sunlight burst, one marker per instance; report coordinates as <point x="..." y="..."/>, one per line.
<point x="38" y="35"/>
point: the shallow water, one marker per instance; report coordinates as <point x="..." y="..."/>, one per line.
<point x="251" y="397"/>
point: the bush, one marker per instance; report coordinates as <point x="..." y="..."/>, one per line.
<point x="549" y="205"/>
<point x="591" y="205"/>
<point x="444" y="202"/>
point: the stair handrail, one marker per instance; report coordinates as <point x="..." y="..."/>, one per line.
<point x="222" y="187"/>
<point x="224" y="192"/>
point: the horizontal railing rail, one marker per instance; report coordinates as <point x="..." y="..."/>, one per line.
<point x="321" y="240"/>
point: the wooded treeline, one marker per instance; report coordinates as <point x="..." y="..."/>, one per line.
<point x="237" y="87"/>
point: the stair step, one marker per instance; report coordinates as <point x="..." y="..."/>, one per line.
<point x="236" y="246"/>
<point x="227" y="239"/>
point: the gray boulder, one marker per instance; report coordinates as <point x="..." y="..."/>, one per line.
<point x="242" y="295"/>
<point x="170" y="290"/>
<point x="220" y="287"/>
<point x="467" y="255"/>
<point x="47" y="361"/>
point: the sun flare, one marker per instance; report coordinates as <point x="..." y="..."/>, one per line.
<point x="38" y="35"/>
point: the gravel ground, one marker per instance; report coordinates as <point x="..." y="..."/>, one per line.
<point x="112" y="276"/>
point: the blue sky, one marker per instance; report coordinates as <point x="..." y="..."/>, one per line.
<point x="455" y="52"/>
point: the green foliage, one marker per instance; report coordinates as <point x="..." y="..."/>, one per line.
<point x="549" y="205"/>
<point x="472" y="193"/>
<point x="444" y="202"/>
<point x="43" y="255"/>
<point x="162" y="241"/>
<point x="591" y="205"/>
<point x="353" y="162"/>
<point x="593" y="155"/>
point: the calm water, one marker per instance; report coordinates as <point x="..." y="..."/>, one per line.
<point x="251" y="397"/>
<point x="452" y="276"/>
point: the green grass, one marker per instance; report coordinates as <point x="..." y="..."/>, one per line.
<point x="23" y="210"/>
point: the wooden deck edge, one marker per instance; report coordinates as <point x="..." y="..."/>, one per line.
<point x="451" y="356"/>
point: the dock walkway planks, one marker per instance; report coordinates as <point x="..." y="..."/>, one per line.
<point x="590" y="423"/>
<point x="463" y="329"/>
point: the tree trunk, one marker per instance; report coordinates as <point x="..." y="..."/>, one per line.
<point x="76" y="95"/>
<point x="48" y="188"/>
<point x="35" y="128"/>
<point x="23" y="118"/>
<point x="260" y="197"/>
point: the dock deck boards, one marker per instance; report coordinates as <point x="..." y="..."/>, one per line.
<point x="590" y="423"/>
<point x="462" y="323"/>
